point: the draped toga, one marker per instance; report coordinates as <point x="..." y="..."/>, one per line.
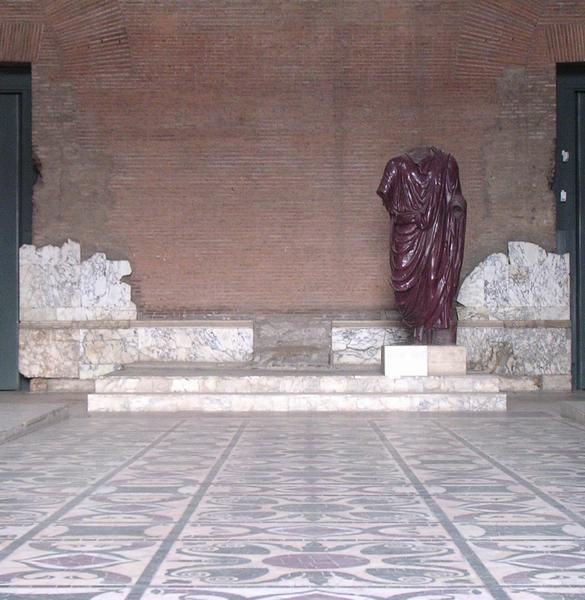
<point x="422" y="193"/>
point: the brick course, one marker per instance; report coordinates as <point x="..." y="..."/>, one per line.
<point x="231" y="149"/>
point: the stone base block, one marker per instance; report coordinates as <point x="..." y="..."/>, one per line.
<point x="556" y="383"/>
<point x="84" y="386"/>
<point x="509" y="383"/>
<point x="447" y="360"/>
<point x="405" y="361"/>
<point x="422" y="361"/>
<point x="295" y="402"/>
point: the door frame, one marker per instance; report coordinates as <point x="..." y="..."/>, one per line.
<point x="15" y="78"/>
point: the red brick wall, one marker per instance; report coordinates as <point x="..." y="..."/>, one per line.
<point x="231" y="149"/>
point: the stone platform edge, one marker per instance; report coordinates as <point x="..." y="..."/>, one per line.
<point x="271" y="402"/>
<point x="69" y="355"/>
<point x="44" y="415"/>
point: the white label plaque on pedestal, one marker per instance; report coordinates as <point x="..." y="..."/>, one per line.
<point x="405" y="361"/>
<point x="423" y="361"/>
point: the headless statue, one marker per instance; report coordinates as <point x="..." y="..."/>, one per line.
<point x="422" y="193"/>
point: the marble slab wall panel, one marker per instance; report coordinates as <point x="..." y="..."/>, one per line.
<point x="105" y="350"/>
<point x="82" y="350"/>
<point x="517" y="351"/>
<point x="50" y="276"/>
<point x="56" y="285"/>
<point x="49" y="352"/>
<point x="362" y="345"/>
<point x="195" y="344"/>
<point x="529" y="283"/>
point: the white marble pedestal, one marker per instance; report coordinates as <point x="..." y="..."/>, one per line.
<point x="423" y="361"/>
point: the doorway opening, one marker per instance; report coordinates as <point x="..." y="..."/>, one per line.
<point x="16" y="174"/>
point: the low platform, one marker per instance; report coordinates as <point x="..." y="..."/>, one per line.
<point x="182" y="387"/>
<point x="20" y="416"/>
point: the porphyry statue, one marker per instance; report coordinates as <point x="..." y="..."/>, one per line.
<point x="422" y="193"/>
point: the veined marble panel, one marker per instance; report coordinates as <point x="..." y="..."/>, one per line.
<point x="85" y="351"/>
<point x="362" y="345"/>
<point x="50" y="276"/>
<point x="529" y="283"/>
<point x="105" y="350"/>
<point x="517" y="351"/>
<point x="49" y="352"/>
<point x="513" y="313"/>
<point x="55" y="285"/>
<point x="100" y="282"/>
<point x="195" y="344"/>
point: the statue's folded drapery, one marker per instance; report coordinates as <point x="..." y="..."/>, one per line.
<point x="422" y="193"/>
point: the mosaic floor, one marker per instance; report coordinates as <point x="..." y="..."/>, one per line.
<point x="311" y="507"/>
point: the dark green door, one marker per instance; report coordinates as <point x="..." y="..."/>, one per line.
<point x="15" y="204"/>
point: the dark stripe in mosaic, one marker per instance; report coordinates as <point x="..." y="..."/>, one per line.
<point x="31" y="533"/>
<point x="165" y="547"/>
<point x="487" y="578"/>
<point x="514" y="475"/>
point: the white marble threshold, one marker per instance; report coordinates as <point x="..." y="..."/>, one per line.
<point x="471" y="402"/>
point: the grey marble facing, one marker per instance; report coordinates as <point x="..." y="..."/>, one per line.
<point x="196" y="344"/>
<point x="528" y="283"/>
<point x="361" y="344"/>
<point x="105" y="350"/>
<point x="517" y="351"/>
<point x="292" y="341"/>
<point x="56" y="285"/>
<point x="541" y="314"/>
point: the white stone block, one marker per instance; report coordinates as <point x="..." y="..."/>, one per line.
<point x="405" y="361"/>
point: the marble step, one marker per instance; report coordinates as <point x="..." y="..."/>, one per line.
<point x="245" y="382"/>
<point x="283" y="402"/>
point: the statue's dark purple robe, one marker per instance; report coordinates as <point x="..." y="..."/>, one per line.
<point x="422" y="193"/>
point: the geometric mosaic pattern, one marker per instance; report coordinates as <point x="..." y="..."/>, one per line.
<point x="295" y="507"/>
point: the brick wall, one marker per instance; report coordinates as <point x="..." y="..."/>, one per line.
<point x="231" y="149"/>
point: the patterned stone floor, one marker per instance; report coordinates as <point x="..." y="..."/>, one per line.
<point x="295" y="507"/>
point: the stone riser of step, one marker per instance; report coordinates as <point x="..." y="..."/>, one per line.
<point x="310" y="384"/>
<point x="139" y="402"/>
